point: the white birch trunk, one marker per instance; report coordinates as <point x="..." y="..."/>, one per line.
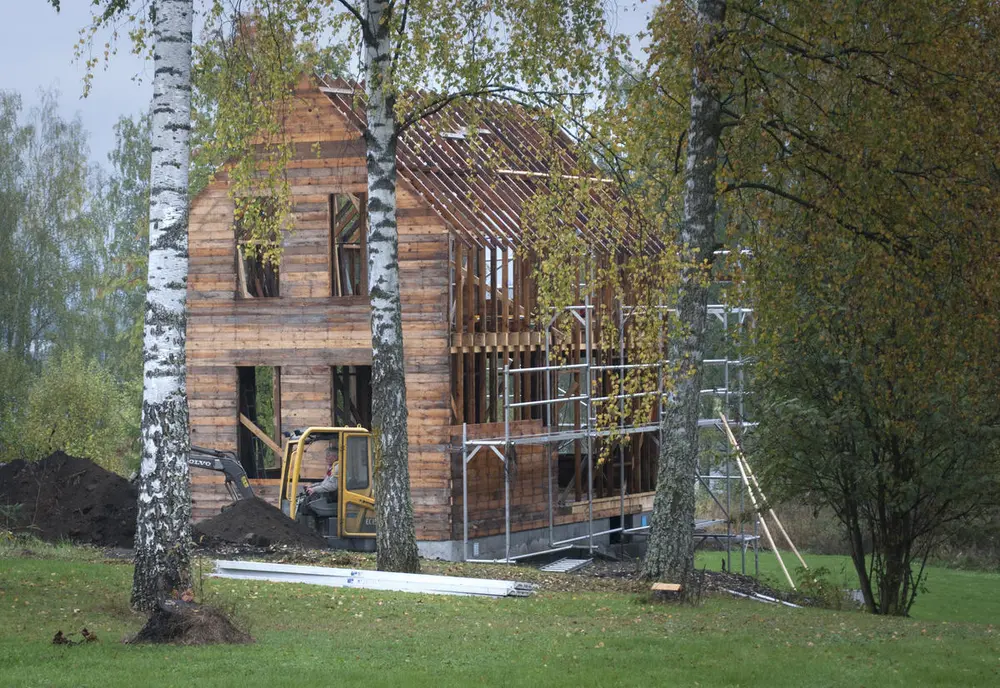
<point x="162" y="538"/>
<point x="396" y="539"/>
<point x="671" y="539"/>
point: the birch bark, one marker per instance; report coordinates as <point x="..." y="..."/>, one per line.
<point x="162" y="538"/>
<point x="671" y="543"/>
<point x="396" y="538"/>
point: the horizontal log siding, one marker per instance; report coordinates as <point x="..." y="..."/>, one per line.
<point x="305" y="330"/>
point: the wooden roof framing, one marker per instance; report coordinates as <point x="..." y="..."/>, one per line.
<point x="481" y="191"/>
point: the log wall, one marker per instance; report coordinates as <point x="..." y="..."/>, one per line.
<point x="305" y="331"/>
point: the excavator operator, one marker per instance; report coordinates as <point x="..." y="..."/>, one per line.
<point x="332" y="480"/>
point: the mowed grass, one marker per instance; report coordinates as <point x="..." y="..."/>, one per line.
<point x="307" y="635"/>
<point x="946" y="595"/>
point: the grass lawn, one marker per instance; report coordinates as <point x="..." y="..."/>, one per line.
<point x="309" y="635"/>
<point x="949" y="594"/>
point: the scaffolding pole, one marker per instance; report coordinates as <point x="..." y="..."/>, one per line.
<point x="556" y="435"/>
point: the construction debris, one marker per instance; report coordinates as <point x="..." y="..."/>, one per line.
<point x="371" y="580"/>
<point x="758" y="597"/>
<point x="566" y="565"/>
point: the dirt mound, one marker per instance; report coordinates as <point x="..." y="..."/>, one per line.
<point x="255" y="522"/>
<point x="63" y="497"/>
<point x="185" y="623"/>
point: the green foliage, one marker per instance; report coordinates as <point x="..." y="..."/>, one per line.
<point x="875" y="304"/>
<point x="44" y="247"/>
<point x="16" y="377"/>
<point x="10" y="515"/>
<point x="825" y="590"/>
<point x="860" y="169"/>
<point x="121" y="207"/>
<point x="76" y="406"/>
<point x="264" y="383"/>
<point x="72" y="271"/>
<point x="876" y="385"/>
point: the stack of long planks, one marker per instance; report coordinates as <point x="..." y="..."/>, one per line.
<point x="371" y="580"/>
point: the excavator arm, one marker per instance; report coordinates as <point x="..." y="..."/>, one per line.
<point x="226" y="463"/>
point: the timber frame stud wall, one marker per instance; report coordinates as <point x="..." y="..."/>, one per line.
<point x="493" y="296"/>
<point x="469" y="302"/>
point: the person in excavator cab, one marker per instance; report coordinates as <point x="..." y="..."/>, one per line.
<point x="325" y="493"/>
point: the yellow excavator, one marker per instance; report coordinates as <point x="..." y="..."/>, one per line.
<point x="346" y="515"/>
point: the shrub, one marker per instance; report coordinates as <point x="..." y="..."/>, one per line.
<point x="75" y="405"/>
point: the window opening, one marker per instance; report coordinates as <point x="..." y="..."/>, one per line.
<point x="352" y="398"/>
<point x="349" y="257"/>
<point x="260" y="402"/>
<point x="256" y="262"/>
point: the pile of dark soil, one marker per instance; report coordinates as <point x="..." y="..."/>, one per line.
<point x="186" y="623"/>
<point x="257" y="523"/>
<point x="63" y="497"/>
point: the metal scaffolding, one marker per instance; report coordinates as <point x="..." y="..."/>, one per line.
<point x="727" y="390"/>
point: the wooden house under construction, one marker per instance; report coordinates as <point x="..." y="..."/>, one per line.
<point x="270" y="349"/>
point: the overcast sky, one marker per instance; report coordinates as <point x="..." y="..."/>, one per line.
<point x="36" y="52"/>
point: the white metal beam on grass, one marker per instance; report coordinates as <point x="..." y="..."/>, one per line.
<point x="371" y="580"/>
<point x="565" y="565"/>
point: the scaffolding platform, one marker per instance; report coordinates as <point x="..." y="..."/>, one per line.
<point x="727" y="393"/>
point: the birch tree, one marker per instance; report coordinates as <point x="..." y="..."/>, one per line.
<point x="163" y="538"/>
<point x="397" y="544"/>
<point x="162" y="541"/>
<point x="671" y="541"/>
<point x="519" y="49"/>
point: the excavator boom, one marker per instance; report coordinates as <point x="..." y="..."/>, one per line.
<point x="226" y="463"/>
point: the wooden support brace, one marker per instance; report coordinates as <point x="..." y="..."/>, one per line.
<point x="260" y="434"/>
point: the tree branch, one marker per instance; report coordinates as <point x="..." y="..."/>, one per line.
<point x="353" y="10"/>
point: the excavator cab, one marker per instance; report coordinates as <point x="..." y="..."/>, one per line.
<point x="345" y="518"/>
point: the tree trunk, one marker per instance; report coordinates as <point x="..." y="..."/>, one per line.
<point x="852" y="523"/>
<point x="671" y="543"/>
<point x="162" y="538"/>
<point x="396" y="538"/>
<point x="893" y="540"/>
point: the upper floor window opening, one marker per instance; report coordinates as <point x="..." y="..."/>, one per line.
<point x="257" y="271"/>
<point x="348" y="251"/>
